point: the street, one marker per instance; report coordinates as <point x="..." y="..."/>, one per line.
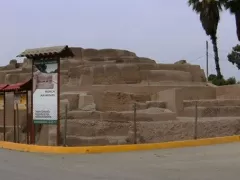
<point x="198" y="163"/>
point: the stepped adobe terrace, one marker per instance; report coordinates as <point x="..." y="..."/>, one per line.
<point x="99" y="87"/>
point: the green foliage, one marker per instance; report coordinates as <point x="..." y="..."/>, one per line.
<point x="234" y="56"/>
<point x="221" y="81"/>
<point x="41" y="67"/>
<point x="209" y="13"/>
<point x="231" y="80"/>
<point x="211" y="77"/>
<point x="231" y="5"/>
<point x="234" y="7"/>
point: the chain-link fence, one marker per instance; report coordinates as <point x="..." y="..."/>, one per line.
<point x="198" y="119"/>
<point x="98" y="128"/>
<point x="212" y="117"/>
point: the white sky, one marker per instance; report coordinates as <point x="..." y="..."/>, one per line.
<point x="157" y="29"/>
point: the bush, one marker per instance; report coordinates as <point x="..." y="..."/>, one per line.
<point x="221" y="82"/>
<point x="211" y="77"/>
<point x="231" y="80"/>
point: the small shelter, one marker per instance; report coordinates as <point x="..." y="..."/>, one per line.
<point x="18" y="88"/>
<point x="47" y="54"/>
<point x="2" y="93"/>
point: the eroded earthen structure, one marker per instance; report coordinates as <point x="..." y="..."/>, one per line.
<point x="99" y="87"/>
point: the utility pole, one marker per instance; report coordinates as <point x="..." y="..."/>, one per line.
<point x="207" y="59"/>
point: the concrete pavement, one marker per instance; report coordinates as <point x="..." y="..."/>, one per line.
<point x="199" y="163"/>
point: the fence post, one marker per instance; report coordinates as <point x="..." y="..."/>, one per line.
<point x="65" y="126"/>
<point x="4" y="116"/>
<point x="17" y="119"/>
<point x="14" y="123"/>
<point x="196" y="121"/>
<point x="134" y="123"/>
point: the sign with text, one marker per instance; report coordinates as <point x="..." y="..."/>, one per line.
<point x="45" y="92"/>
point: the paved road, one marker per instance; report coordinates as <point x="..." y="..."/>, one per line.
<point x="219" y="162"/>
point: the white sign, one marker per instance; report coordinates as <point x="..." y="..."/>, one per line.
<point x="45" y="92"/>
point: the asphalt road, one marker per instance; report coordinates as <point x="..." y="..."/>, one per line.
<point x="219" y="162"/>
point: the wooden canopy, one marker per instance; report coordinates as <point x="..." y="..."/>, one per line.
<point x="47" y="52"/>
<point x="23" y="86"/>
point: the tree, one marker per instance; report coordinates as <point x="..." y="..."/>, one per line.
<point x="231" y="80"/>
<point x="41" y="67"/>
<point x="234" y="56"/>
<point x="209" y="11"/>
<point x="221" y="82"/>
<point x="234" y="7"/>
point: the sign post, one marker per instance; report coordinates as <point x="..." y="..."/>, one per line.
<point x="45" y="92"/>
<point x="45" y="99"/>
<point x="27" y="115"/>
<point x="4" y="116"/>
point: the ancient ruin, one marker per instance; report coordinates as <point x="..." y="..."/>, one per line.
<point x="100" y="87"/>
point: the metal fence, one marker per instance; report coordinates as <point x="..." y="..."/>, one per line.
<point x="195" y="127"/>
<point x="98" y="126"/>
<point x="204" y="122"/>
<point x="215" y="118"/>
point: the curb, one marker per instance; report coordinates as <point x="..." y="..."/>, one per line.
<point x="116" y="148"/>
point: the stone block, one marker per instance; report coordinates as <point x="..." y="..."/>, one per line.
<point x="146" y="60"/>
<point x="2" y="77"/>
<point x="86" y="103"/>
<point x="115" y="53"/>
<point x="72" y="99"/>
<point x="75" y="72"/>
<point x="27" y="64"/>
<point x="98" y="74"/>
<point x="146" y="66"/>
<point x="64" y="103"/>
<point x="86" y="80"/>
<point x="112" y="74"/>
<point x="77" y="51"/>
<point x="12" y="78"/>
<point x="158" y="104"/>
<point x="131" y="137"/>
<point x="115" y="101"/>
<point x="181" y="62"/>
<point x="130" y="73"/>
<point x="89" y="53"/>
<point x="168" y="75"/>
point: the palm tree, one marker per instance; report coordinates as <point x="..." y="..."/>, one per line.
<point x="234" y="7"/>
<point x="209" y="11"/>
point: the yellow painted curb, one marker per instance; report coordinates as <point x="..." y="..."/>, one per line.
<point x="117" y="148"/>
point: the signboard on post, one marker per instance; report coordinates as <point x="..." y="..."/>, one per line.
<point x="45" y="91"/>
<point x="46" y="85"/>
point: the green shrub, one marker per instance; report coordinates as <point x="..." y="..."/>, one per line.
<point x="231" y="80"/>
<point x="221" y="82"/>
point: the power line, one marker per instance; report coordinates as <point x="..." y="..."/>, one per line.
<point x="196" y="59"/>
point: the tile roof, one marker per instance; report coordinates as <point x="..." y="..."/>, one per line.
<point x="2" y="86"/>
<point x="26" y="85"/>
<point x="47" y="51"/>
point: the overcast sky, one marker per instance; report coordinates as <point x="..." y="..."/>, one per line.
<point x="158" y="29"/>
